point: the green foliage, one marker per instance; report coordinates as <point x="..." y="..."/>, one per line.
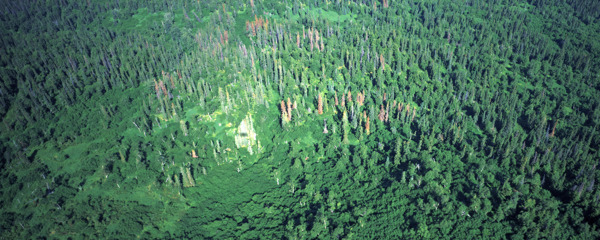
<point x="441" y="119"/>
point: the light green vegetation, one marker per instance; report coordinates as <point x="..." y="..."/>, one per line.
<point x="300" y="119"/>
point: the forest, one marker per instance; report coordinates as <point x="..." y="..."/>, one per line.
<point x="300" y="119"/>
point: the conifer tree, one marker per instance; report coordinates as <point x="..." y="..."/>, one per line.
<point x="345" y="126"/>
<point x="367" y="126"/>
<point x="320" y="105"/>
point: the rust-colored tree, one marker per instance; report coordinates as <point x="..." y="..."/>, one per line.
<point x="320" y="105"/>
<point x="381" y="114"/>
<point x="336" y="99"/>
<point x="322" y="46"/>
<point x="345" y="127"/>
<point x="360" y="98"/>
<point x="310" y="36"/>
<point x="163" y="88"/>
<point x="317" y="40"/>
<point x="284" y="111"/>
<point x="387" y="111"/>
<point x="157" y="89"/>
<point x="367" y="126"/>
<point x="400" y="106"/>
<point x="349" y="96"/>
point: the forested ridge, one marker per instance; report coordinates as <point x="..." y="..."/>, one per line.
<point x="260" y="119"/>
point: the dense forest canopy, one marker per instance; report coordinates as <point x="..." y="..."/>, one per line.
<point x="299" y="119"/>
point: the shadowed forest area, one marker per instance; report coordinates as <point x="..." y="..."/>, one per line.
<point x="297" y="119"/>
